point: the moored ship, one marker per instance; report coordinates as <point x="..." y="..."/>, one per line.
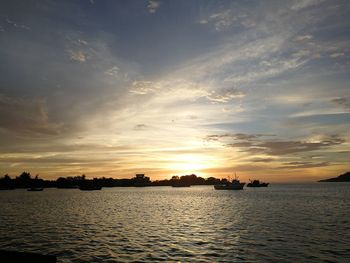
<point x="235" y="184"/>
<point x="257" y="183"/>
<point x="35" y="189"/>
<point x="180" y="184"/>
<point x="90" y="187"/>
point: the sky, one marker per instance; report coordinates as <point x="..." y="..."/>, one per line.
<point x="114" y="88"/>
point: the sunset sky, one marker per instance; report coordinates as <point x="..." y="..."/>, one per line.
<point x="114" y="88"/>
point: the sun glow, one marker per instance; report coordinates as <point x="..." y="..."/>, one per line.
<point x="186" y="164"/>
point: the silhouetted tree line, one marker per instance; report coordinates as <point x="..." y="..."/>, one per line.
<point x="191" y="179"/>
<point x="25" y="180"/>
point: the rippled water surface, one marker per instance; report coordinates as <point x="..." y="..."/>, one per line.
<point x="281" y="223"/>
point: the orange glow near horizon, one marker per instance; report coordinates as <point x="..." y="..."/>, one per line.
<point x="186" y="164"/>
<point x="201" y="165"/>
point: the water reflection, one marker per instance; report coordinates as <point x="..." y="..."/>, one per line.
<point x="296" y="223"/>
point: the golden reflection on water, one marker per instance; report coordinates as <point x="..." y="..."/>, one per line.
<point x="179" y="224"/>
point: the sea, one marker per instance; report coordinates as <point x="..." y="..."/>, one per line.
<point x="280" y="223"/>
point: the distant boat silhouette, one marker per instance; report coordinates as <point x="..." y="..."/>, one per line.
<point x="235" y="184"/>
<point x="68" y="187"/>
<point x="256" y="183"/>
<point x="90" y="187"/>
<point x="34" y="189"/>
<point x="180" y="184"/>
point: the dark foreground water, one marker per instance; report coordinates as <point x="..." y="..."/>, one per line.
<point x="281" y="223"/>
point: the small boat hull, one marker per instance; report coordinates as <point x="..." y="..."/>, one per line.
<point x="260" y="185"/>
<point x="257" y="183"/>
<point x="35" y="189"/>
<point x="236" y="186"/>
<point x="181" y="185"/>
<point x="90" y="188"/>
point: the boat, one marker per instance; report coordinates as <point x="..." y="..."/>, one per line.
<point x="67" y="187"/>
<point x="235" y="184"/>
<point x="181" y="184"/>
<point x="90" y="187"/>
<point x="257" y="183"/>
<point x="34" y="189"/>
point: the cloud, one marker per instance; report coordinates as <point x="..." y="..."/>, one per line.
<point x="170" y="90"/>
<point x="203" y="21"/>
<point x="290" y="147"/>
<point x="302" y="165"/>
<point x="240" y="144"/>
<point x="243" y="63"/>
<point x="143" y="87"/>
<point x="82" y="42"/>
<point x="113" y="71"/>
<point x="262" y="160"/>
<point x="343" y="102"/>
<point x="255" y="143"/>
<point x="59" y="147"/>
<point x="67" y="160"/>
<point x="226" y="19"/>
<point x="153" y="6"/>
<point x="77" y="47"/>
<point x="236" y="136"/>
<point x="269" y="69"/>
<point x="75" y="40"/>
<point x="173" y="89"/>
<point x="26" y="116"/>
<point x="283" y="43"/>
<point x="303" y="38"/>
<point x="222" y="20"/>
<point x="301" y="4"/>
<point x="337" y="55"/>
<point x="77" y="55"/>
<point x="12" y="23"/>
<point x="141" y="127"/>
<point x="225" y="95"/>
<point x="301" y="53"/>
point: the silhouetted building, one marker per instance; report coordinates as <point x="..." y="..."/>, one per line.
<point x="141" y="180"/>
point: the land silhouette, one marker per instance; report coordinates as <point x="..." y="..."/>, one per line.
<point x="26" y="180"/>
<point x="341" y="178"/>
